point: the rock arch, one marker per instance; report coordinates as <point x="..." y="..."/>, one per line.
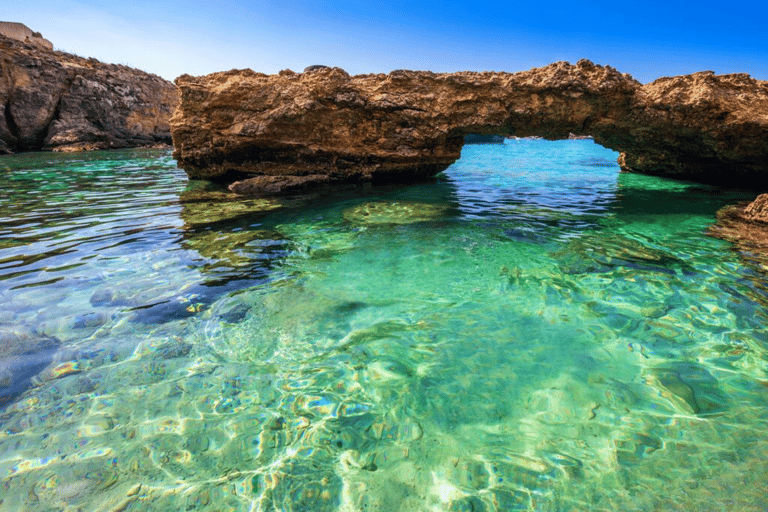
<point x="273" y="133"/>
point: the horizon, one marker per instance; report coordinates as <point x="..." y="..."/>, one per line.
<point x="174" y="38"/>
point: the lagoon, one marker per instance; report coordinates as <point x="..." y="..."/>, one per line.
<point x="534" y="330"/>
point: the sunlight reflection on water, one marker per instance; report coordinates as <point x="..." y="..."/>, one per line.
<point x="533" y="331"/>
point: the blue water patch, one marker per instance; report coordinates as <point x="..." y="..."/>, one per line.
<point x="534" y="330"/>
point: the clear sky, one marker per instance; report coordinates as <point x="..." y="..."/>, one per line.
<point x="169" y="37"/>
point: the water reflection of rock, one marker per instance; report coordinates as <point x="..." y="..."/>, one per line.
<point x="221" y="228"/>
<point x="233" y="252"/>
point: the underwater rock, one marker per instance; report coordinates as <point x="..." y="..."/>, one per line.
<point x="205" y="207"/>
<point x="689" y="387"/>
<point x="109" y="297"/>
<point x="236" y="314"/>
<point x="174" y="349"/>
<point x="396" y="212"/>
<point x="91" y="319"/>
<point x="169" y="310"/>
<point x="23" y="354"/>
<point x="269" y="134"/>
<point x="599" y="255"/>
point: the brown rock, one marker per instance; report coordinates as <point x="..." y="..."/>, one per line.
<point x="746" y="226"/>
<point x="757" y="210"/>
<point x="324" y="126"/>
<point x="53" y="99"/>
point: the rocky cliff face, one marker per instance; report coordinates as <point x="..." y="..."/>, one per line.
<point x="56" y="101"/>
<point x="292" y="130"/>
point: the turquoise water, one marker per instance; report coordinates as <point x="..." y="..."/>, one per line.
<point x="533" y="331"/>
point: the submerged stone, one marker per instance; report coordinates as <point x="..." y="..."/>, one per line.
<point x="23" y="354"/>
<point x="597" y="254"/>
<point x="169" y="310"/>
<point x="91" y="319"/>
<point x="689" y="386"/>
<point x="396" y="212"/>
<point x="236" y="314"/>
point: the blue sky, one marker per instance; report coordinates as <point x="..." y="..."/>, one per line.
<point x="646" y="39"/>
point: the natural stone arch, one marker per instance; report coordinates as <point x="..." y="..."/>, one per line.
<point x="280" y="132"/>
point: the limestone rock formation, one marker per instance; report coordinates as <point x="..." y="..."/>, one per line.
<point x="21" y="32"/>
<point x="288" y="131"/>
<point x="746" y="226"/>
<point x="757" y="210"/>
<point x="53" y="100"/>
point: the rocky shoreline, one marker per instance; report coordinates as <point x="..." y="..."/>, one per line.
<point x="746" y="226"/>
<point x="56" y="101"/>
<point x="274" y="134"/>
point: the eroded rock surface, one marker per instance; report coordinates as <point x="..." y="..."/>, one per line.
<point x="273" y="133"/>
<point x="746" y="226"/>
<point x="52" y="100"/>
<point x="21" y="32"/>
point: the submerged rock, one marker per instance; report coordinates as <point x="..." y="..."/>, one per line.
<point x="689" y="387"/>
<point x="23" y="354"/>
<point x="599" y="254"/>
<point x="295" y="131"/>
<point x="169" y="310"/>
<point x="395" y="212"/>
<point x="236" y="314"/>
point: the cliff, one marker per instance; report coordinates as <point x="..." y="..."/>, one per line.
<point x="53" y="100"/>
<point x="274" y="133"/>
<point x="21" y="32"/>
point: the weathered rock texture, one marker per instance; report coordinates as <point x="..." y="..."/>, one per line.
<point x="746" y="226"/>
<point x="292" y="130"/>
<point x="21" y="32"/>
<point x="53" y="100"/>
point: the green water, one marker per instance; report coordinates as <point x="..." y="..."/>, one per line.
<point x="533" y="331"/>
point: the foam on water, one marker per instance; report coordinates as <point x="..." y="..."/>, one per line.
<point x="534" y="331"/>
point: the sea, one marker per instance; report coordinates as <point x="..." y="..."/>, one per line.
<point x="534" y="330"/>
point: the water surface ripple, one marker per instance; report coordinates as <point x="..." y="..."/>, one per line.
<point x="533" y="331"/>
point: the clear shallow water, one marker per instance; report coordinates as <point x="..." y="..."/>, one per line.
<point x="535" y="331"/>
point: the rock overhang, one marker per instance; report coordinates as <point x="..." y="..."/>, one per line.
<point x="289" y="131"/>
